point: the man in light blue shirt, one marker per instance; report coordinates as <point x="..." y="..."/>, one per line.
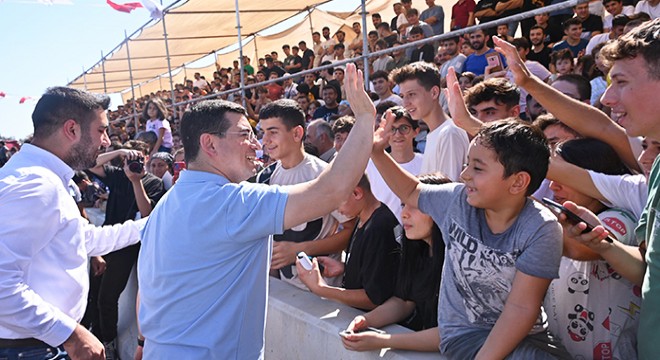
<point x="203" y="266"/>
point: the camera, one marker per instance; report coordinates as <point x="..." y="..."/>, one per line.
<point x="136" y="165"/>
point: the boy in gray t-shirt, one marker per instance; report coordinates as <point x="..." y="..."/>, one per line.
<point x="502" y="248"/>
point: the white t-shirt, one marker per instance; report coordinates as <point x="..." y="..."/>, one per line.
<point x="628" y="192"/>
<point x="607" y="20"/>
<point x="393" y="98"/>
<point x="591" y="308"/>
<point x="644" y="6"/>
<point x="597" y="39"/>
<point x="446" y="150"/>
<point x="380" y="189"/>
<point x="308" y="169"/>
<point x="156" y="125"/>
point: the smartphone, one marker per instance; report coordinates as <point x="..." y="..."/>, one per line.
<point x="305" y="261"/>
<point x="345" y="333"/>
<point x="494" y="61"/>
<point x="571" y="216"/>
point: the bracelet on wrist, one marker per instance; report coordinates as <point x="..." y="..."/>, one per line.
<point x="140" y="342"/>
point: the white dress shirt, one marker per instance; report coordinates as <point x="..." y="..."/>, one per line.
<point x="44" y="248"/>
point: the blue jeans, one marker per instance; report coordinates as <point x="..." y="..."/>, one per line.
<point x="33" y="353"/>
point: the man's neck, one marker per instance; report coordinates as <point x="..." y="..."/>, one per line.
<point x="538" y="48"/>
<point x="436" y="117"/>
<point x="572" y="42"/>
<point x="371" y="204"/>
<point x="482" y="51"/>
<point x="402" y="156"/>
<point x="385" y="95"/>
<point x="293" y="159"/>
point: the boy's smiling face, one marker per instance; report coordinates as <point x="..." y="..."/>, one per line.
<point x="484" y="177"/>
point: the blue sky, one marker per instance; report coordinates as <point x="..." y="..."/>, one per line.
<point x="47" y="45"/>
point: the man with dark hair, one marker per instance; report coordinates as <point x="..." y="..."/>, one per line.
<point x="203" y="269"/>
<point x="376" y="19"/>
<point x="446" y="144"/>
<point x="383" y="88"/>
<point x="398" y="9"/>
<point x="574" y="41"/>
<point x="540" y="52"/>
<point x="616" y="30"/>
<point x="44" y="266"/>
<point x="307" y="56"/>
<point x="423" y="52"/>
<point x="456" y="59"/>
<point x="493" y="99"/>
<point x="540" y="71"/>
<point x="331" y="94"/>
<point x="272" y="67"/>
<point x="615" y="8"/>
<point x="385" y="33"/>
<point x="574" y="86"/>
<point x="133" y="194"/>
<point x="476" y="63"/>
<point x="341" y="128"/>
<point x="591" y="24"/>
<point x="283" y="124"/>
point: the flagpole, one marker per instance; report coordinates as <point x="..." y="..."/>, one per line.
<point x="240" y="54"/>
<point x="84" y="77"/>
<point x="130" y="75"/>
<point x="365" y="47"/>
<point x="169" y="63"/>
<point x="105" y="86"/>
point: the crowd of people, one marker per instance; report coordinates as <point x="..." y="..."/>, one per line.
<point x="420" y="197"/>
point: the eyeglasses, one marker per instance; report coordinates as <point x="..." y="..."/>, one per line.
<point x="246" y="134"/>
<point x="403" y="129"/>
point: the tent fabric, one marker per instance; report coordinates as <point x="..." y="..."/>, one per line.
<point x="215" y="29"/>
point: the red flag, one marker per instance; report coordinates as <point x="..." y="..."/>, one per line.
<point x="24" y="99"/>
<point x="127" y="7"/>
<point x="2" y="94"/>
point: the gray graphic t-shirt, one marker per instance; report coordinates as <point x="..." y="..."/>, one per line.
<point x="479" y="265"/>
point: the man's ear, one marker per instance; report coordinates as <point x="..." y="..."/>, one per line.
<point x="71" y="130"/>
<point x="206" y="144"/>
<point x="515" y="110"/>
<point x="520" y="183"/>
<point x="298" y="133"/>
<point x="358" y="193"/>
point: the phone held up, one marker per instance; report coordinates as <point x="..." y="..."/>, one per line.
<point x="571" y="217"/>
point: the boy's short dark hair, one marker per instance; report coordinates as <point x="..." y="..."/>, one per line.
<point x="384" y="106"/>
<point x="521" y="43"/>
<point x="205" y="117"/>
<point x="381" y="43"/>
<point x="644" y="41"/>
<point x="544" y="121"/>
<point x="563" y="54"/>
<point x="364" y="183"/>
<point x="605" y="2"/>
<point x="426" y="74"/>
<point x="412" y="11"/>
<point x="538" y="27"/>
<point x="384" y="25"/>
<point x="340" y="46"/>
<point x="343" y="125"/>
<point x="401" y="113"/>
<point x="287" y="110"/>
<point x="59" y="104"/>
<point x="620" y="20"/>
<point x="380" y="74"/>
<point x="499" y="89"/>
<point x="582" y="83"/>
<point x="569" y="22"/>
<point x="518" y="147"/>
<point x="416" y="30"/>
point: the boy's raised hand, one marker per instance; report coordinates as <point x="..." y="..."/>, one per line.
<point x="459" y="111"/>
<point x="357" y="97"/>
<point x="521" y="74"/>
<point x="384" y="132"/>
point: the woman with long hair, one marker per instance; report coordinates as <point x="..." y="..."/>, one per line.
<point x="415" y="301"/>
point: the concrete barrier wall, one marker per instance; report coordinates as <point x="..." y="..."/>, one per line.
<point x="300" y="325"/>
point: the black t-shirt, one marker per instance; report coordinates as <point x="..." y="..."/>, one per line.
<point x="542" y="57"/>
<point x="295" y="60"/>
<point x="592" y="23"/>
<point x="390" y="40"/>
<point x="425" y="53"/>
<point x="325" y="112"/>
<point x="307" y="58"/>
<point x="419" y="281"/>
<point x="373" y="257"/>
<point x="553" y="33"/>
<point x="121" y="204"/>
<point x="280" y="72"/>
